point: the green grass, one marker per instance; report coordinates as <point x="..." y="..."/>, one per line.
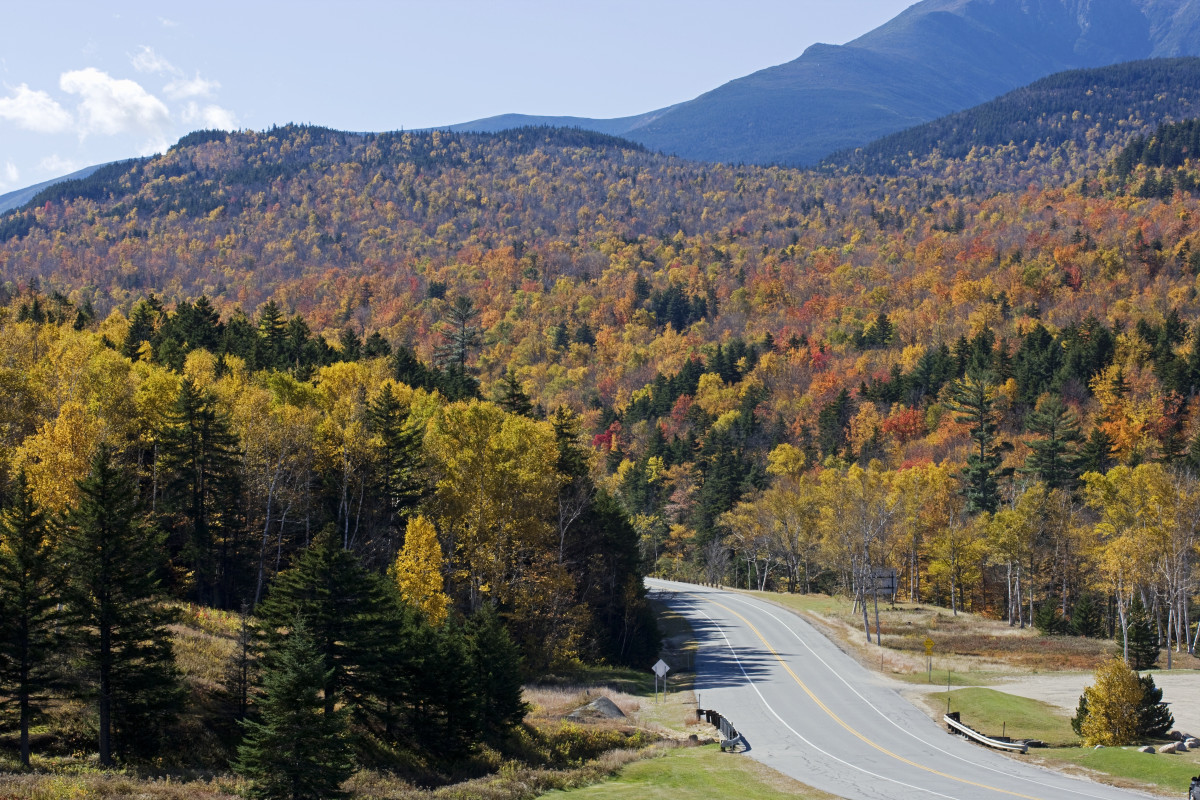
<point x="696" y="773"/>
<point x="1172" y="772"/>
<point x="995" y="713"/>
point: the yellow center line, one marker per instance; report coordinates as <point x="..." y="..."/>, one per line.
<point x="842" y="722"/>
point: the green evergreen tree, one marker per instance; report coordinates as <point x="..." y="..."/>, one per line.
<point x="344" y="608"/>
<point x="1143" y="642"/>
<point x="460" y="335"/>
<point x="1052" y="459"/>
<point x="29" y="601"/>
<point x="198" y="453"/>
<point x="512" y="397"/>
<point x="1087" y="618"/>
<point x="973" y="398"/>
<point x="112" y="560"/>
<point x="1096" y="455"/>
<point x="1049" y="621"/>
<point x="1154" y="717"/>
<point x="299" y="750"/>
<point x="272" y="334"/>
<point x="497" y="663"/>
<point x="142" y="322"/>
<point x="402" y="467"/>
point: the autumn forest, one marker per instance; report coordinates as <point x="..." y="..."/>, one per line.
<point x="482" y="384"/>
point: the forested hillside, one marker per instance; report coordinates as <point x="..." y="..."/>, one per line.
<point x="519" y="370"/>
<point x="1087" y="108"/>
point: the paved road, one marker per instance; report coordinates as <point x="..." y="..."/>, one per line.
<point x="812" y="712"/>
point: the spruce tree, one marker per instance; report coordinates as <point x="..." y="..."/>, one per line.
<point x="973" y="398"/>
<point x="497" y="662"/>
<point x="1143" y="642"/>
<point x="512" y="397"/>
<point x="1096" y="455"/>
<point x="343" y="606"/>
<point x="1086" y="618"/>
<point x="272" y="331"/>
<point x="29" y="600"/>
<point x="112" y="560"/>
<point x="1154" y="717"/>
<point x="198" y="452"/>
<point x="300" y="750"/>
<point x="401" y="477"/>
<point x="1053" y="460"/>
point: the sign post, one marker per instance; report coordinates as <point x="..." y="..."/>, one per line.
<point x="929" y="656"/>
<point x="660" y="671"/>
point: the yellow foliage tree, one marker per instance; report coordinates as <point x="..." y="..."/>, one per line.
<point x="59" y="455"/>
<point x="418" y="570"/>
<point x="1112" y="704"/>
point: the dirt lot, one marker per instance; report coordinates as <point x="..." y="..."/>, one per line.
<point x="1181" y="688"/>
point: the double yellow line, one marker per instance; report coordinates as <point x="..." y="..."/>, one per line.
<point x="842" y="722"/>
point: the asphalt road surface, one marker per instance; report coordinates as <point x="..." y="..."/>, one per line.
<point x="812" y="712"/>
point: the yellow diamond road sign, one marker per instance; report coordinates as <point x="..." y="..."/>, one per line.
<point x="928" y="646"/>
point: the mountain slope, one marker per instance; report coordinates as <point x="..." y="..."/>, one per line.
<point x="1081" y="106"/>
<point x="937" y="57"/>
<point x="19" y="197"/>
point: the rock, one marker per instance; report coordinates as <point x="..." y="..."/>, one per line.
<point x="1181" y="747"/>
<point x="1192" y="743"/>
<point x="600" y="708"/>
<point x="1169" y="748"/>
<point x="1176" y="735"/>
<point x="1146" y="749"/>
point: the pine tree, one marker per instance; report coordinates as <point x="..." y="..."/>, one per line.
<point x="1086" y="618"/>
<point x="973" y="398"/>
<point x="460" y="335"/>
<point x="1154" y="717"/>
<point x="343" y="606"/>
<point x="300" y="750"/>
<point x="512" y="397"/>
<point x="200" y="492"/>
<point x="141" y="329"/>
<point x="1143" y="642"/>
<point x="1053" y="460"/>
<point x="1096" y="455"/>
<point x="497" y="662"/>
<point x="29" y="599"/>
<point x="112" y="561"/>
<point x="402" y="466"/>
<point x="272" y="332"/>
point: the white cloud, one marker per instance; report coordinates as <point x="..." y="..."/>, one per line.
<point x="35" y="111"/>
<point x="168" y="23"/>
<point x="210" y="116"/>
<point x="110" y="105"/>
<point x="58" y="165"/>
<point x="182" y="88"/>
<point x="146" y="60"/>
<point x="10" y="175"/>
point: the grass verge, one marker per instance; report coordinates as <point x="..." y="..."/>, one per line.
<point x="696" y="773"/>
<point x="995" y="714"/>
<point x="1127" y="767"/>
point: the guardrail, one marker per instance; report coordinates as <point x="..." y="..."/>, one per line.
<point x="730" y="738"/>
<point x="956" y="726"/>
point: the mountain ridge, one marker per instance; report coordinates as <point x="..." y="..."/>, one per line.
<point x="935" y="58"/>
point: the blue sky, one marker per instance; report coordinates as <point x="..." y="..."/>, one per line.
<point x="87" y="82"/>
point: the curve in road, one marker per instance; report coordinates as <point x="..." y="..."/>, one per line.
<point x="812" y="712"/>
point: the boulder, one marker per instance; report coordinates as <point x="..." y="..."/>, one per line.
<point x="600" y="708"/>
<point x="1192" y="743"/>
<point x="1169" y="748"/>
<point x="1176" y="735"/>
<point x="1181" y="747"/>
<point x="1146" y="749"/>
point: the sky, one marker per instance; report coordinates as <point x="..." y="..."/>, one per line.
<point x="88" y="82"/>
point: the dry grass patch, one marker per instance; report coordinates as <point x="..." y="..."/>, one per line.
<point x="964" y="643"/>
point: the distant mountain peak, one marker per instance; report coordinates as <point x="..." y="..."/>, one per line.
<point x="934" y="58"/>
